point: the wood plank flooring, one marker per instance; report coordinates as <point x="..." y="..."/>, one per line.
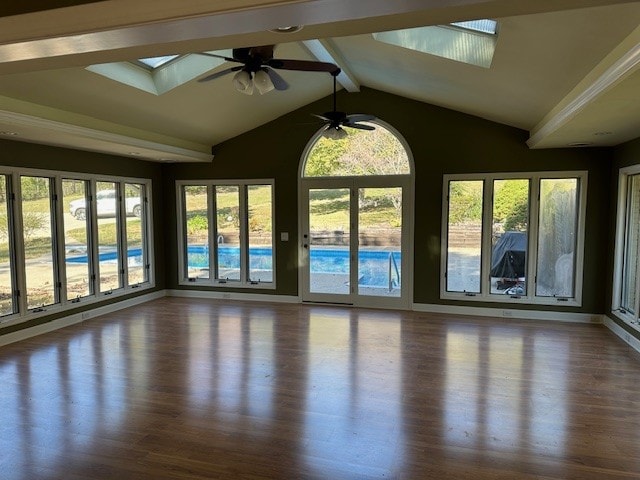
<point x="201" y="389"/>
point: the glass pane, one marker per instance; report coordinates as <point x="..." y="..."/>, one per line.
<point x="108" y="235"/>
<point x="38" y="237"/>
<point x="259" y="201"/>
<point x="464" y="236"/>
<point x="76" y="238"/>
<point x="359" y="152"/>
<point x="557" y="237"/>
<point x="136" y="242"/>
<point x="6" y="274"/>
<point x="157" y="62"/>
<point x="329" y="220"/>
<point x="197" y="231"/>
<point x="459" y="44"/>
<point x="228" y="232"/>
<point x="631" y="246"/>
<point x="380" y="241"/>
<point x="509" y="237"/>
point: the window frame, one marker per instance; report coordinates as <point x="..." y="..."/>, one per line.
<point x="529" y="297"/>
<point x="631" y="319"/>
<point x="58" y="211"/>
<point x="243" y="186"/>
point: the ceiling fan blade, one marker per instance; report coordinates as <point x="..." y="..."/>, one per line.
<point x="278" y="82"/>
<point x="360" y="117"/>
<point x="359" y="126"/>
<point x="302" y="65"/>
<point x="219" y="74"/>
<point x="228" y="59"/>
<point x="321" y="117"/>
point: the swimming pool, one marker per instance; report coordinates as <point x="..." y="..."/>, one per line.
<point x="374" y="266"/>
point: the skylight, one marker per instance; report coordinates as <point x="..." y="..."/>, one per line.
<point x="482" y="26"/>
<point x="157" y="62"/>
<point x="160" y="74"/>
<point x="471" y="42"/>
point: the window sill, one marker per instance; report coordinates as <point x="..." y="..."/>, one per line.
<point x="70" y="305"/>
<point x="522" y="300"/>
<point x="228" y="284"/>
<point x="627" y="318"/>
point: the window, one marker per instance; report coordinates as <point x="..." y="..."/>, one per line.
<point x="77" y="229"/>
<point x="625" y="297"/>
<point x="472" y="42"/>
<point x="227" y="233"/>
<point x="514" y="237"/>
<point x="136" y="234"/>
<point x="464" y="236"/>
<point x="359" y="153"/>
<point x="7" y="276"/>
<point x="69" y="239"/>
<point x="38" y="240"/>
<point x="108" y="237"/>
<point x="157" y="62"/>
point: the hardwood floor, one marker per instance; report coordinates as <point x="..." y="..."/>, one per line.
<point x="183" y="388"/>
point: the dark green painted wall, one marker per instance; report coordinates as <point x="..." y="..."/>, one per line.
<point x="27" y="155"/>
<point x="442" y="141"/>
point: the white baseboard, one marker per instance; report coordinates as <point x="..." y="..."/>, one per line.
<point x="218" y="295"/>
<point x="509" y="313"/>
<point x="626" y="337"/>
<point x="257" y="297"/>
<point x="75" y="318"/>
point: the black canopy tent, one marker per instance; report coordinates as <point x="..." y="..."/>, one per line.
<point x="509" y="256"/>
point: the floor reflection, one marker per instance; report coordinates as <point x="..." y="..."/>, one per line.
<point x="497" y="392"/>
<point x="353" y="406"/>
<point x="201" y="389"/>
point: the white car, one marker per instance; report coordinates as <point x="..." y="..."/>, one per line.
<point x="106" y="205"/>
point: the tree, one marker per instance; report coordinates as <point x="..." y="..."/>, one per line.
<point x="323" y="160"/>
<point x="465" y="202"/>
<point x="511" y="204"/>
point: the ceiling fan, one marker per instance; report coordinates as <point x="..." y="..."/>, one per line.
<point x="257" y="69"/>
<point x="336" y="120"/>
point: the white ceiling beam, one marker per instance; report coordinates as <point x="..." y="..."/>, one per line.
<point x="324" y="51"/>
<point x="40" y="130"/>
<point x="620" y="63"/>
<point x="101" y="27"/>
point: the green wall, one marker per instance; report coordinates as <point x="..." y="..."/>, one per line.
<point x="442" y="141"/>
<point x="28" y="155"/>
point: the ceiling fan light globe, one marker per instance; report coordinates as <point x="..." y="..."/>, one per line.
<point x="334" y="133"/>
<point x="262" y="82"/>
<point x="242" y="82"/>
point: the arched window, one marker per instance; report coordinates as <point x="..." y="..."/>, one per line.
<point x="358" y="153"/>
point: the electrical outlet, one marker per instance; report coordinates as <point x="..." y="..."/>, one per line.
<point x="226" y="295"/>
<point x="86" y="315"/>
<point x="507" y="313"/>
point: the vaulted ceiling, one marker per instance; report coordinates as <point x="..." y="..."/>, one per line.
<point x="564" y="70"/>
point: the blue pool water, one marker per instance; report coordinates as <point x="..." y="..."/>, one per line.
<point x="373" y="265"/>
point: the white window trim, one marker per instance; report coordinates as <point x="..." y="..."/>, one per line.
<point x="618" y="266"/>
<point x="530" y="297"/>
<point x="65" y="304"/>
<point x="243" y="283"/>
